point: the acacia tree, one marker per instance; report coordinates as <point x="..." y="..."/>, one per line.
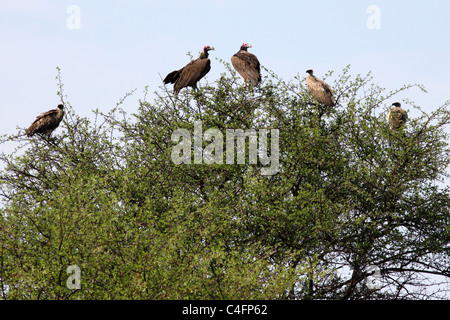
<point x="105" y="195"/>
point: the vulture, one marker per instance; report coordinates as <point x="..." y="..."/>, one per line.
<point x="397" y="116"/>
<point x="46" y="122"/>
<point x="247" y="65"/>
<point x="189" y="75"/>
<point x="319" y="89"/>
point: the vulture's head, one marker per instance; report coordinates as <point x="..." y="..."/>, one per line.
<point x="245" y="46"/>
<point x="310" y="71"/>
<point x="207" y="48"/>
<point x="61" y="106"/>
<point x="396" y="104"/>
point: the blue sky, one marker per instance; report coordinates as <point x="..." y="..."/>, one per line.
<point x="123" y="45"/>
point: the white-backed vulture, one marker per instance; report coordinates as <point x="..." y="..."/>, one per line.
<point x="189" y="75"/>
<point x="397" y="116"/>
<point x="247" y="64"/>
<point x="46" y="122"/>
<point x="319" y="89"/>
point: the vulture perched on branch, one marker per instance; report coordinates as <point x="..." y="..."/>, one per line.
<point x="247" y="64"/>
<point x="46" y="122"/>
<point x="189" y="75"/>
<point x="319" y="89"/>
<point x="397" y="116"/>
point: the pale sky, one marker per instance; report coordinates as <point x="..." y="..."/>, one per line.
<point x="121" y="45"/>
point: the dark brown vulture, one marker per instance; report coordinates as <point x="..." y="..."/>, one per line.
<point x="247" y="64"/>
<point x="397" y="116"/>
<point x="319" y="89"/>
<point x="189" y="75"/>
<point x="46" y="122"/>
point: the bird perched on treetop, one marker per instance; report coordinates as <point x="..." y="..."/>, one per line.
<point x="397" y="116"/>
<point x="46" y="122"/>
<point x="319" y="89"/>
<point x="247" y="64"/>
<point x="189" y="75"/>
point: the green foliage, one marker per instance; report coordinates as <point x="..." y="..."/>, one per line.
<point x="105" y="195"/>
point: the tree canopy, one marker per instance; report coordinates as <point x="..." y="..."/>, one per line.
<point x="104" y="194"/>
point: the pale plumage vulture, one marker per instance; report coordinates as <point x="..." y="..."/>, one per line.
<point x="247" y="64"/>
<point x="46" y="122"/>
<point x="319" y="89"/>
<point x="189" y="75"/>
<point x="397" y="116"/>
